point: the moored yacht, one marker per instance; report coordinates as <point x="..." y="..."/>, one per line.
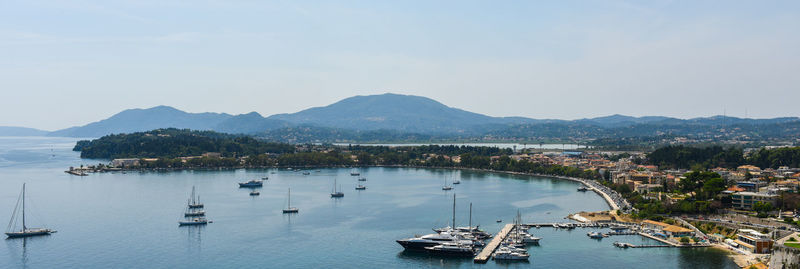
<point x="25" y="231"/>
<point x="251" y="184"/>
<point x="452" y="249"/>
<point x="505" y="253"/>
<point x="429" y="240"/>
<point x="194" y="221"/>
<point x="194" y="201"/>
<point x="289" y="208"/>
<point x="335" y="193"/>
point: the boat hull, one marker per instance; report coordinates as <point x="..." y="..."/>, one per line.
<point x="28" y="233"/>
<point x="191" y="223"/>
<point x="416" y="245"/>
<point x="465" y="254"/>
<point x="291" y="210"/>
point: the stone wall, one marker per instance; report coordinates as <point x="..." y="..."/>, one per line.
<point x="784" y="257"/>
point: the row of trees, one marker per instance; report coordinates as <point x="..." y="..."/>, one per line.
<point x="715" y="156"/>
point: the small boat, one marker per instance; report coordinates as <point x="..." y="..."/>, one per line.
<point x="446" y="187"/>
<point x="194" y="221"/>
<point x="499" y="221"/>
<point x="255" y="193"/>
<point x="251" y="184"/>
<point x="583" y="188"/>
<point x="336" y="193"/>
<point x="362" y="179"/>
<point x="264" y="178"/>
<point x="194" y="201"/>
<point x="25" y="231"/>
<point x="361" y="187"/>
<point x="289" y="208"/>
<point x="595" y="235"/>
<point x="306" y="173"/>
<point x="355" y="172"/>
<point x="457" y="181"/>
<point x="505" y="253"/>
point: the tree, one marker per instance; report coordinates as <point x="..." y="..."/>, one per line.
<point x="685" y="240"/>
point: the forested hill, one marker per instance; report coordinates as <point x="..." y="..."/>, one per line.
<point x="709" y="157"/>
<point x="171" y="143"/>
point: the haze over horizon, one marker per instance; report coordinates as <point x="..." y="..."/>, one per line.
<point x="67" y="64"/>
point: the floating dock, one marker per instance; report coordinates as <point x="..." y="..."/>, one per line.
<point x="487" y="251"/>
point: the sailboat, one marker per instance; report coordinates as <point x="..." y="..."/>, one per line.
<point x="289" y="208"/>
<point x="446" y="187"/>
<point x="194" y="201"/>
<point x="25" y="231"/>
<point x="335" y="193"/>
<point x="456" y="180"/>
<point x="354" y="172"/>
<point x="194" y="214"/>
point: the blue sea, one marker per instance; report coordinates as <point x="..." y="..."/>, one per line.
<point x="130" y="220"/>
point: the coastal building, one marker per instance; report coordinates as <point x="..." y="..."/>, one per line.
<point x="753" y="241"/>
<point x="212" y="155"/>
<point x="745" y="200"/>
<point x="127" y="162"/>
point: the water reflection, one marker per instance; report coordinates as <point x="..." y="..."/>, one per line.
<point x="424" y="257"/>
<point x="194" y="238"/>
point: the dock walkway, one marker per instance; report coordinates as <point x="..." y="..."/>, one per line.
<point x="487" y="251"/>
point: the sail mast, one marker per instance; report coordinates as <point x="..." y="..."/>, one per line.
<point x="470" y="216"/>
<point x="290" y="198"/>
<point x="454" y="211"/>
<point x="23" y="208"/>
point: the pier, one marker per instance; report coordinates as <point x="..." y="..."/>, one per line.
<point x="487" y="251"/>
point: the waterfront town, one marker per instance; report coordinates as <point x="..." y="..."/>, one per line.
<point x="754" y="216"/>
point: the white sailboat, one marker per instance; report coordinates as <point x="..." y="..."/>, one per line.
<point x="194" y="213"/>
<point x="25" y="231"/>
<point x="194" y="201"/>
<point x="446" y="187"/>
<point x="289" y="208"/>
<point x="336" y="193"/>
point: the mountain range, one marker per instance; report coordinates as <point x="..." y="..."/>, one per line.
<point x="394" y="116"/>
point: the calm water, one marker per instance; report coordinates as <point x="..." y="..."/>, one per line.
<point x="116" y="220"/>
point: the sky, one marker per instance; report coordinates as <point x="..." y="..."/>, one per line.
<point x="67" y="63"/>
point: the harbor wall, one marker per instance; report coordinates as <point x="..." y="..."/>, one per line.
<point x="784" y="257"/>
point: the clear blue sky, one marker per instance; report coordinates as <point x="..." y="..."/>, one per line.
<point x="65" y="63"/>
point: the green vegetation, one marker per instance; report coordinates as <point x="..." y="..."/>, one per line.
<point x="792" y="245"/>
<point x="713" y="228"/>
<point x="171" y="143"/>
<point x="685" y="240"/>
<point x="696" y="158"/>
<point x="775" y="158"/>
<point x="715" y="156"/>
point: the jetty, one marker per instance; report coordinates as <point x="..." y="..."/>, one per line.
<point x="629" y="245"/>
<point x="487" y="251"/>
